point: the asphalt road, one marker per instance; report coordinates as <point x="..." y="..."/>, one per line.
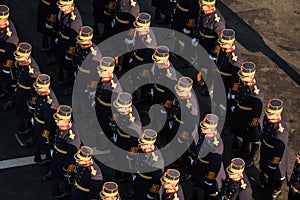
<point x="25" y="182"/>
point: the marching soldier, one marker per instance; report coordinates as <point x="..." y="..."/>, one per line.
<point x="88" y="176"/>
<point x="46" y="16"/>
<point x="27" y="71"/>
<point x="66" y="143"/>
<point x="69" y="24"/>
<point x="110" y="191"/>
<point x="8" y="44"/>
<point x="209" y="170"/>
<point x="107" y="85"/>
<point x="247" y="113"/>
<point x="84" y="47"/>
<point x="294" y="184"/>
<point x="44" y="124"/>
<point x="148" y="158"/>
<point x="228" y="61"/>
<point x="171" y="188"/>
<point x="237" y="185"/>
<point x="165" y="7"/>
<point x="274" y="160"/>
<point x="183" y="120"/>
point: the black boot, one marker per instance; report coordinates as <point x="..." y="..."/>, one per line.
<point x="254" y="149"/>
<point x="236" y="145"/>
<point x="45" y="44"/>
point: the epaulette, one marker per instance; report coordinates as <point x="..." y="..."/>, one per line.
<point x="154" y="157"/>
<point x="216" y="141"/>
<point x="243" y="184"/>
<point x="132" y="3"/>
<point x="168" y="74"/>
<point x="94" y="52"/>
<point x="188" y="104"/>
<point x="131" y="117"/>
<point x="149" y="39"/>
<point x="73" y="16"/>
<point x="281" y="128"/>
<point x="31" y="69"/>
<point x="217" y="18"/>
<point x="234" y="57"/>
<point x="71" y="134"/>
<point x="256" y="90"/>
<point x="8" y="32"/>
<point x="93" y="171"/>
<point x="113" y="84"/>
<point x="49" y="100"/>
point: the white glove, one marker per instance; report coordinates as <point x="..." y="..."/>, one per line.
<point x="56" y="40"/>
<point x="67" y="57"/>
<point x="113" y="23"/>
<point x="92" y="95"/>
<point x="149" y="196"/>
<point x="173" y="1"/>
<point x="128" y="41"/>
<point x="212" y="58"/>
<point x="186" y="31"/>
<point x="195" y="42"/>
<point x="48" y="26"/>
<point x="232" y="108"/>
<point x="230" y="96"/>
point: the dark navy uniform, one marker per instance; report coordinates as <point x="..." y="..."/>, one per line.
<point x="147" y="184"/>
<point x="66" y="143"/>
<point x="126" y="13"/>
<point x="44" y="124"/>
<point x="8" y="43"/>
<point x="246" y="117"/>
<point x="69" y="26"/>
<point x="239" y="188"/>
<point x="173" y="190"/>
<point x="294" y="190"/>
<point x="88" y="177"/>
<point x="229" y="60"/>
<point x="274" y="158"/>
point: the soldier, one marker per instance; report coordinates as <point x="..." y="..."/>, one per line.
<point x="27" y="71"/>
<point x="171" y="188"/>
<point x="149" y="165"/>
<point x="274" y="160"/>
<point x="46" y="16"/>
<point x="183" y="119"/>
<point x="88" y="176"/>
<point x="237" y="185"/>
<point x="84" y="47"/>
<point x="110" y="191"/>
<point x="165" y="7"/>
<point x="44" y="124"/>
<point x="294" y="184"/>
<point x="66" y="143"/>
<point x="247" y="114"/>
<point x="104" y="14"/>
<point x="107" y="85"/>
<point x="8" y="44"/>
<point x="209" y="170"/>
<point x="69" y="24"/>
<point x="228" y="61"/>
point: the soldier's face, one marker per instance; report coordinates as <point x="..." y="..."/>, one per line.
<point x="147" y="147"/>
<point x="235" y="177"/>
<point x="298" y="159"/>
<point x="124" y="110"/>
<point x="206" y="7"/>
<point x="210" y="132"/>
<point x="62" y="122"/>
<point x="105" y="73"/>
<point x="109" y="198"/>
<point x="144" y="29"/>
<point x="226" y="46"/>
<point x="64" y="8"/>
<point x="273" y="117"/>
<point x="184" y="94"/>
<point x="3" y="21"/>
<point x="246" y="79"/>
<point x="169" y="185"/>
<point x="21" y="58"/>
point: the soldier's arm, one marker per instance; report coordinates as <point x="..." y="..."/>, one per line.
<point x="278" y="151"/>
<point x="96" y="182"/>
<point x="74" y="30"/>
<point x="155" y="183"/>
<point x="69" y="163"/>
<point x="193" y="14"/>
<point x="215" y="161"/>
<point x="257" y="106"/>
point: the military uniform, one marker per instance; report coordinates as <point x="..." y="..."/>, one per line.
<point x="26" y="73"/>
<point x="236" y="189"/>
<point x="147" y="184"/>
<point x="106" y="87"/>
<point x="110" y="189"/>
<point x="294" y="184"/>
<point x="246" y="117"/>
<point x="174" y="192"/>
<point x="8" y="43"/>
<point x="66" y="143"/>
<point x="209" y="171"/>
<point x="46" y="15"/>
<point x="209" y="26"/>
<point x="44" y="124"/>
<point x="68" y="27"/>
<point x="126" y="13"/>
<point x="229" y="60"/>
<point x="274" y="158"/>
<point x="88" y="177"/>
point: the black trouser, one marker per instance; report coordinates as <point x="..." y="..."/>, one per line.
<point x="293" y="195"/>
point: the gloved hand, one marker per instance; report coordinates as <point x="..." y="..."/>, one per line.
<point x="230" y="96"/>
<point x="211" y="186"/>
<point x="186" y="31"/>
<point x="233" y="108"/>
<point x="212" y="58"/>
<point x="48" y="26"/>
<point x="113" y="23"/>
<point x="150" y="196"/>
<point x="128" y="41"/>
<point x="68" y="58"/>
<point x="195" y="42"/>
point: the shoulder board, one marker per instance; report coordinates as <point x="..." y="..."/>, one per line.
<point x="8" y="32"/>
<point x="154" y="157"/>
<point x="234" y="57"/>
<point x="256" y="90"/>
<point x="71" y="134"/>
<point x="31" y="69"/>
<point x="49" y="100"/>
<point x="73" y="16"/>
<point x="93" y="171"/>
<point x="280" y="128"/>
<point x="149" y="39"/>
<point x="217" y="18"/>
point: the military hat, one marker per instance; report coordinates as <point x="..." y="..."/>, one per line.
<point x="23" y="50"/>
<point x="247" y="69"/>
<point x="298" y="153"/>
<point x="236" y="166"/>
<point x="161" y="53"/>
<point x="85" y="153"/>
<point x="4" y="12"/>
<point x="63" y="112"/>
<point x="148" y="137"/>
<point x="184" y="84"/>
<point x="123" y="100"/>
<point x="142" y="20"/>
<point x="208" y="2"/>
<point x="226" y="36"/>
<point x="209" y="121"/>
<point x="171" y="176"/>
<point x="109" y="189"/>
<point x="42" y="81"/>
<point x="274" y="106"/>
<point x="106" y="63"/>
<point x="65" y="2"/>
<point x="85" y="33"/>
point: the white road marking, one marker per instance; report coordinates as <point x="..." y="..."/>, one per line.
<point x="17" y="162"/>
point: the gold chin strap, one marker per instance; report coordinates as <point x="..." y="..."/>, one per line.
<point x="94" y="52"/>
<point x="188" y="103"/>
<point x="169" y="74"/>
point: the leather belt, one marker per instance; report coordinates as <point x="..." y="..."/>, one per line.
<point x="63" y="36"/>
<point x="60" y="150"/>
<point x="38" y="120"/>
<point x="122" y="21"/>
<point x="86" y="71"/>
<point x="46" y="2"/>
<point x="207" y="36"/>
<point x="23" y="86"/>
<point x="182" y="8"/>
<point x="224" y="73"/>
<point x="145" y="176"/>
<point x="123" y="135"/>
<point x="158" y="89"/>
<point x="138" y="57"/>
<point x="103" y="102"/>
<point x="268" y="145"/>
<point x="81" y="188"/>
<point x="244" y="107"/>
